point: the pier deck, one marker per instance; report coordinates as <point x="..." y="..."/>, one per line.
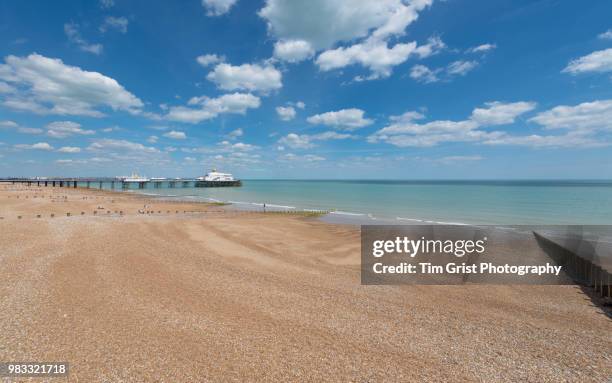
<point x="119" y="183"/>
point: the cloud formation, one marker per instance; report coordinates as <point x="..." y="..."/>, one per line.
<point x="582" y="122"/>
<point x="348" y="119"/>
<point x="119" y="24"/>
<point x="285" y="113"/>
<point x="303" y="28"/>
<point x="74" y="36"/>
<point x="405" y="131"/>
<point x="37" y="146"/>
<point x="306" y="141"/>
<point x="205" y="108"/>
<point x="598" y="61"/>
<point x="251" y="77"/>
<point x="63" y="129"/>
<point x="209" y="59"/>
<point x="175" y="135"/>
<point x="425" y="75"/>
<point x="293" y="50"/>
<point x="217" y="7"/>
<point x="48" y="86"/>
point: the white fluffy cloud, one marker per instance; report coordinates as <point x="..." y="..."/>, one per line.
<point x="569" y="140"/>
<point x="423" y="74"/>
<point x="582" y="121"/>
<point x="296" y="141"/>
<point x="596" y="115"/>
<point x="205" y="108"/>
<point x="209" y="59"/>
<point x="18" y="128"/>
<point x="598" y="61"/>
<point x="63" y="129"/>
<point x="499" y="113"/>
<point x="69" y="149"/>
<point x="322" y="23"/>
<point x="8" y="124"/>
<point x="251" y="77"/>
<point x="482" y="48"/>
<point x="106" y="144"/>
<point x="217" y="7"/>
<point x="38" y="146"/>
<point x="404" y="131"/>
<point x="285" y="113"/>
<point x="226" y="146"/>
<point x="293" y="50"/>
<point x="302" y="28"/>
<point x="48" y="86"/>
<point x="375" y="55"/>
<point x="175" y="135"/>
<point x="74" y="36"/>
<point x="120" y="24"/>
<point x="306" y="141"/>
<point x="348" y="119"/>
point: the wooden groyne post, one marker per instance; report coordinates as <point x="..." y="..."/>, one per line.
<point x="582" y="270"/>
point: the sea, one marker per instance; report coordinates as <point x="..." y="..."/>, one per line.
<point x="510" y="202"/>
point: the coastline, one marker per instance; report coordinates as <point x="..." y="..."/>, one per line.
<point x="198" y="291"/>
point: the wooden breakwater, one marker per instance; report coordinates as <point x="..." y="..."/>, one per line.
<point x="585" y="269"/>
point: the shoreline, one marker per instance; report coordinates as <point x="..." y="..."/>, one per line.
<point x="276" y="296"/>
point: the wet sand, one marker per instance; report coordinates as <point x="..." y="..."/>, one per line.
<point x="197" y="293"/>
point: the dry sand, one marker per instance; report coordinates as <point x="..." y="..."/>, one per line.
<point x="220" y="296"/>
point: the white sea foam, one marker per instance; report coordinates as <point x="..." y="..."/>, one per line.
<point x="431" y="222"/>
<point x="408" y="219"/>
<point x="280" y="206"/>
<point x="346" y="213"/>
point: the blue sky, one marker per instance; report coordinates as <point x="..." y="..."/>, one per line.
<point x="320" y="89"/>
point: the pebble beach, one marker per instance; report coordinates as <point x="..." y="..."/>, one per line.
<point x="129" y="288"/>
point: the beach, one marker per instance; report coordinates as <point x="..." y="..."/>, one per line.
<point x="150" y="290"/>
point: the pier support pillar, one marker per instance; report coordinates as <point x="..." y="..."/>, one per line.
<point x="88" y="184"/>
<point x="141" y="185"/>
<point x="45" y="183"/>
<point x="75" y="184"/>
<point x="100" y="184"/>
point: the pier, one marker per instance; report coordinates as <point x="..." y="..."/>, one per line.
<point x="119" y="183"/>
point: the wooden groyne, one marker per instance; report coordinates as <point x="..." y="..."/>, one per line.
<point x="585" y="269"/>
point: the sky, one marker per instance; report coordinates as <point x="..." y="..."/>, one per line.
<point x="323" y="89"/>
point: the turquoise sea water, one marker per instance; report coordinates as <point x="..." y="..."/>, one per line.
<point x="469" y="202"/>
